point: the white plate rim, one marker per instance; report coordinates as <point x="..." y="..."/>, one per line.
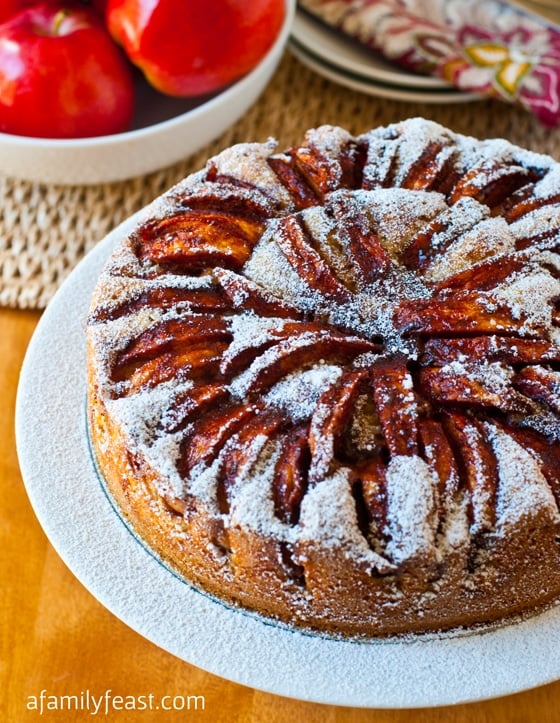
<point x="331" y="46"/>
<point x="90" y="537"/>
<point x="381" y="90"/>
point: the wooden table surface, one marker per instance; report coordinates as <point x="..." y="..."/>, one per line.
<point x="58" y="640"/>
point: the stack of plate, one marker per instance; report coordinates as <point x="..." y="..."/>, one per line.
<point x="345" y="61"/>
<point x="545" y="10"/>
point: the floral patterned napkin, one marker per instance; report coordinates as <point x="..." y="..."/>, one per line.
<point x="482" y="46"/>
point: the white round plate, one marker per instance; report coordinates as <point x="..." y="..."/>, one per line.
<point x="165" y="131"/>
<point x="350" y="56"/>
<point x="90" y="536"/>
<point x="445" y="94"/>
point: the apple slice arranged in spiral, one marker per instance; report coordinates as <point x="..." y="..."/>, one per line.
<point x="427" y="168"/>
<point x="433" y="238"/>
<point x="300" y="352"/>
<point x="291" y="474"/>
<point x="484" y="275"/>
<point x="540" y="384"/>
<point x="198" y="239"/>
<point x="296" y="246"/>
<point x="524" y="201"/>
<point x="332" y="413"/>
<point x="491" y="181"/>
<point x="479" y="466"/>
<point x="192" y="404"/>
<point x="211" y="432"/>
<point x="438" y="453"/>
<point x="245" y="294"/>
<point x="371" y="258"/>
<point x="509" y="350"/>
<point x="190" y="347"/>
<point x="205" y="298"/>
<point x="465" y="384"/>
<point x="301" y="192"/>
<point x="372" y="480"/>
<point x="396" y="405"/>
<point x="244" y="449"/>
<point x="285" y="333"/>
<point x="468" y="312"/>
<point x="170" y="336"/>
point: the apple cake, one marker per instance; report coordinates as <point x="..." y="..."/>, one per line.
<point x="324" y="384"/>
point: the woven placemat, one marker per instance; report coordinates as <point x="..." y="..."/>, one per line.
<point x="45" y="230"/>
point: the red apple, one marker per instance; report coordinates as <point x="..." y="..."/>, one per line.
<point x="192" y="47"/>
<point x="8" y="8"/>
<point x="12" y="7"/>
<point x="61" y="75"/>
<point x="99" y="5"/>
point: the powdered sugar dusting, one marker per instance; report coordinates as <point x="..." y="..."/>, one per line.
<point x="247" y="162"/>
<point x="491" y="237"/>
<point x="297" y="393"/>
<point x="269" y="268"/>
<point x="455" y="535"/>
<point x="411" y="509"/>
<point x="529" y="296"/>
<point x="524" y="493"/>
<point x="328" y="517"/>
<point x="141" y="415"/>
<point x="534" y="223"/>
<point x="396" y="214"/>
<point x="252" y="506"/>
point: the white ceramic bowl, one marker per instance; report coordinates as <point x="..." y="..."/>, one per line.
<point x="165" y="130"/>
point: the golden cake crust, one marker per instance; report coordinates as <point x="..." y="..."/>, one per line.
<point x="324" y="384"/>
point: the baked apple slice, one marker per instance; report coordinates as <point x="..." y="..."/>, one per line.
<point x="492" y="181"/>
<point x="321" y="173"/>
<point x="199" y="298"/>
<point x="540" y="384"/>
<point x="396" y="405"/>
<point x="373" y="488"/>
<point x="506" y="349"/>
<point x="193" y="403"/>
<point x="525" y="200"/>
<point x="478" y="385"/>
<point x="423" y="172"/>
<point x="484" y="275"/>
<point x="198" y="362"/>
<point x="243" y="450"/>
<point x="242" y="293"/>
<point x="211" y="433"/>
<point x="293" y="180"/>
<point x="332" y="414"/>
<point x="170" y="336"/>
<point x="195" y="240"/>
<point x="242" y="354"/>
<point x="296" y="245"/>
<point x="469" y="312"/>
<point x="479" y="466"/>
<point x="299" y="353"/>
<point x="371" y="258"/>
<point x="434" y="237"/>
<point x="438" y="453"/>
<point x="291" y="474"/>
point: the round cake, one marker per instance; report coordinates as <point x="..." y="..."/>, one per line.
<point x="324" y="384"/>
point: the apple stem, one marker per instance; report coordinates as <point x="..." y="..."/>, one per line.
<point x="59" y="18"/>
